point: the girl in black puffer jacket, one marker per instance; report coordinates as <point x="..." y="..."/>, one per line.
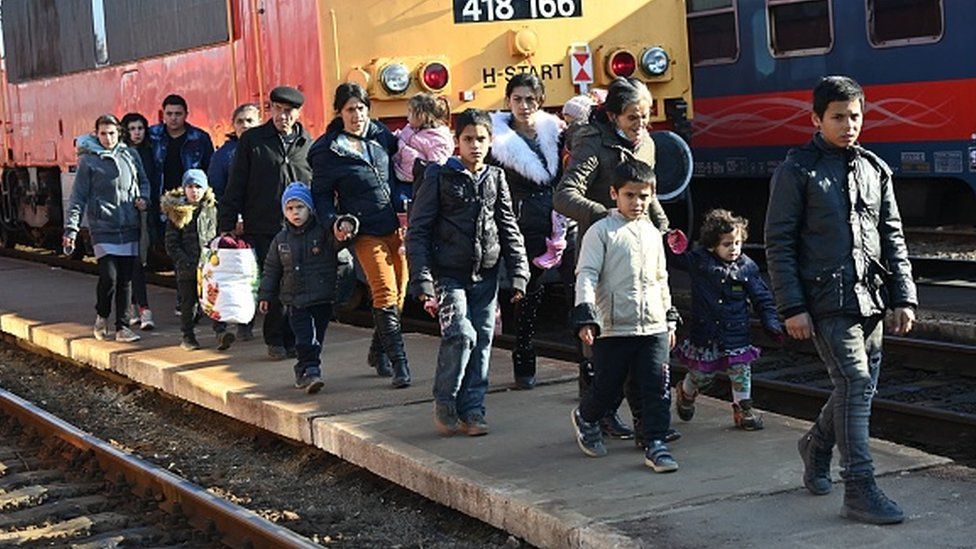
<point x="724" y="282"/>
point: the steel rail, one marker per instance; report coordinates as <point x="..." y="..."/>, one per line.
<point x="237" y="527"/>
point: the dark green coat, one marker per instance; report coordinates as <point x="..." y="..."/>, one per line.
<point x="189" y="229"/>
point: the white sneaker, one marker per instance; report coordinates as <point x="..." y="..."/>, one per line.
<point x="125" y="335"/>
<point x="101" y="328"/>
<point x="133" y="315"/>
<point x="146" y="320"/>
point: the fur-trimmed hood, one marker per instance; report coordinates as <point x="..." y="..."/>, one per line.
<point x="512" y="152"/>
<point x="174" y="205"/>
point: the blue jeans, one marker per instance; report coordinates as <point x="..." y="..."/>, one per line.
<point x="640" y="361"/>
<point x="309" y="324"/>
<point x="851" y="348"/>
<point x="466" y="312"/>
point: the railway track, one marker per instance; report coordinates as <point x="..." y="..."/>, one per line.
<point x="60" y="486"/>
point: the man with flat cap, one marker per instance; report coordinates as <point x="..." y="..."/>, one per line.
<point x="268" y="158"/>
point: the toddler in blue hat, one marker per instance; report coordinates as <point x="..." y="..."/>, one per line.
<point x="300" y="272"/>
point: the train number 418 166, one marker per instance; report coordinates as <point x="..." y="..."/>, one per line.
<point x="482" y="11"/>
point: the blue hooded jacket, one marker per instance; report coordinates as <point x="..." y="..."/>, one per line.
<point x="106" y="186"/>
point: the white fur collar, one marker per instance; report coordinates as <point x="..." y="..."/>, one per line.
<point x="512" y="152"/>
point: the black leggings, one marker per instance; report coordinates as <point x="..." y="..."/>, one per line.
<point x="140" y="296"/>
<point x="114" y="282"/>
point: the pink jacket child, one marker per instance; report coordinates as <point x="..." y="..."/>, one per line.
<point x="434" y="145"/>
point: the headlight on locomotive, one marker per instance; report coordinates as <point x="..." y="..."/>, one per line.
<point x="435" y="76"/>
<point x="395" y="78"/>
<point x="654" y="61"/>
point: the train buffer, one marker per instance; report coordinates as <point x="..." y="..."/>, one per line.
<point x="527" y="477"/>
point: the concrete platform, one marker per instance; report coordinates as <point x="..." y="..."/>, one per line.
<point x="527" y="477"/>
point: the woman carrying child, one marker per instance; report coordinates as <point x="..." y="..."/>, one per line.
<point x="724" y="282"/>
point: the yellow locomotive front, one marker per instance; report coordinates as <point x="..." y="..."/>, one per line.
<point x="468" y="49"/>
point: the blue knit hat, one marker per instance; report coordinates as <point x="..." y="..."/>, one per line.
<point x="196" y="177"/>
<point x="297" y="191"/>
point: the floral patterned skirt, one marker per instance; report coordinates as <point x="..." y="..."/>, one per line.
<point x="713" y="359"/>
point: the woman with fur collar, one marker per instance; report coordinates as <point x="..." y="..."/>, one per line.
<point x="526" y="144"/>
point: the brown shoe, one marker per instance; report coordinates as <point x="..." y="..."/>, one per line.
<point x="474" y="425"/>
<point x="446" y="419"/>
<point x="684" y="403"/>
<point x="745" y="417"/>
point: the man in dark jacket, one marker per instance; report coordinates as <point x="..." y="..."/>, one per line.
<point x="268" y="158"/>
<point x="245" y="117"/>
<point x="177" y="146"/>
<point x="837" y="260"/>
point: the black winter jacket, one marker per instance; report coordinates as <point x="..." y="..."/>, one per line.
<point x="720" y="297"/>
<point x="301" y="265"/>
<point x="834" y="241"/>
<point x="261" y="170"/>
<point x="531" y="179"/>
<point x="461" y="226"/>
<point x="189" y="229"/>
<point x="343" y="183"/>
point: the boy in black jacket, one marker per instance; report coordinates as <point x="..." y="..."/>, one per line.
<point x="300" y="271"/>
<point x="461" y="224"/>
<point x="837" y="259"/>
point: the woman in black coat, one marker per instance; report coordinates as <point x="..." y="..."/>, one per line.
<point x="352" y="173"/>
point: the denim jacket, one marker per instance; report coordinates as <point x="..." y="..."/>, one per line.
<point x="196" y="153"/>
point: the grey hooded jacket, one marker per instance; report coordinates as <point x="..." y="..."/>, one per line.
<point x="107" y="184"/>
<point x="834" y="240"/>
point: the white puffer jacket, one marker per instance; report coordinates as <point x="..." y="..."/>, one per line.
<point x="622" y="273"/>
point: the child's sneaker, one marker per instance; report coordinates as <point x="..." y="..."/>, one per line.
<point x="125" y="335"/>
<point x="190" y="343"/>
<point x="613" y="426"/>
<point x="146" y="319"/>
<point x="224" y="340"/>
<point x="100" y="331"/>
<point x="588" y="435"/>
<point x="244" y="332"/>
<point x="658" y="457"/>
<point x="310" y="382"/>
<point x="446" y="419"/>
<point x="474" y="425"/>
<point x="133" y="315"/>
<point x="745" y="417"/>
<point x="684" y="403"/>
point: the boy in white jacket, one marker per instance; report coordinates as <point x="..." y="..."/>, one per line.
<point x="623" y="309"/>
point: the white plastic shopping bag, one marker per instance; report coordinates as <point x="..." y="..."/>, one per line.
<point x="227" y="282"/>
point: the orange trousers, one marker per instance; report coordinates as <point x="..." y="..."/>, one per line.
<point x="385" y="266"/>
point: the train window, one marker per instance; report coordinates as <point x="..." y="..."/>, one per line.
<point x="713" y="31"/>
<point x="45" y="38"/>
<point x="146" y="29"/>
<point x="901" y="22"/>
<point x="799" y="27"/>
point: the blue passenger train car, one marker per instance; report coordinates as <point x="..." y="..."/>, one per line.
<point x="755" y="62"/>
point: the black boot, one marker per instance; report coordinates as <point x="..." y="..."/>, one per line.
<point x="376" y="358"/>
<point x="524" y="362"/>
<point x="816" y="465"/>
<point x="864" y="501"/>
<point x="387" y="323"/>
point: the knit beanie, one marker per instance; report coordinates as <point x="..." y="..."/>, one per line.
<point x="578" y="107"/>
<point x="196" y="177"/>
<point x="297" y="191"/>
